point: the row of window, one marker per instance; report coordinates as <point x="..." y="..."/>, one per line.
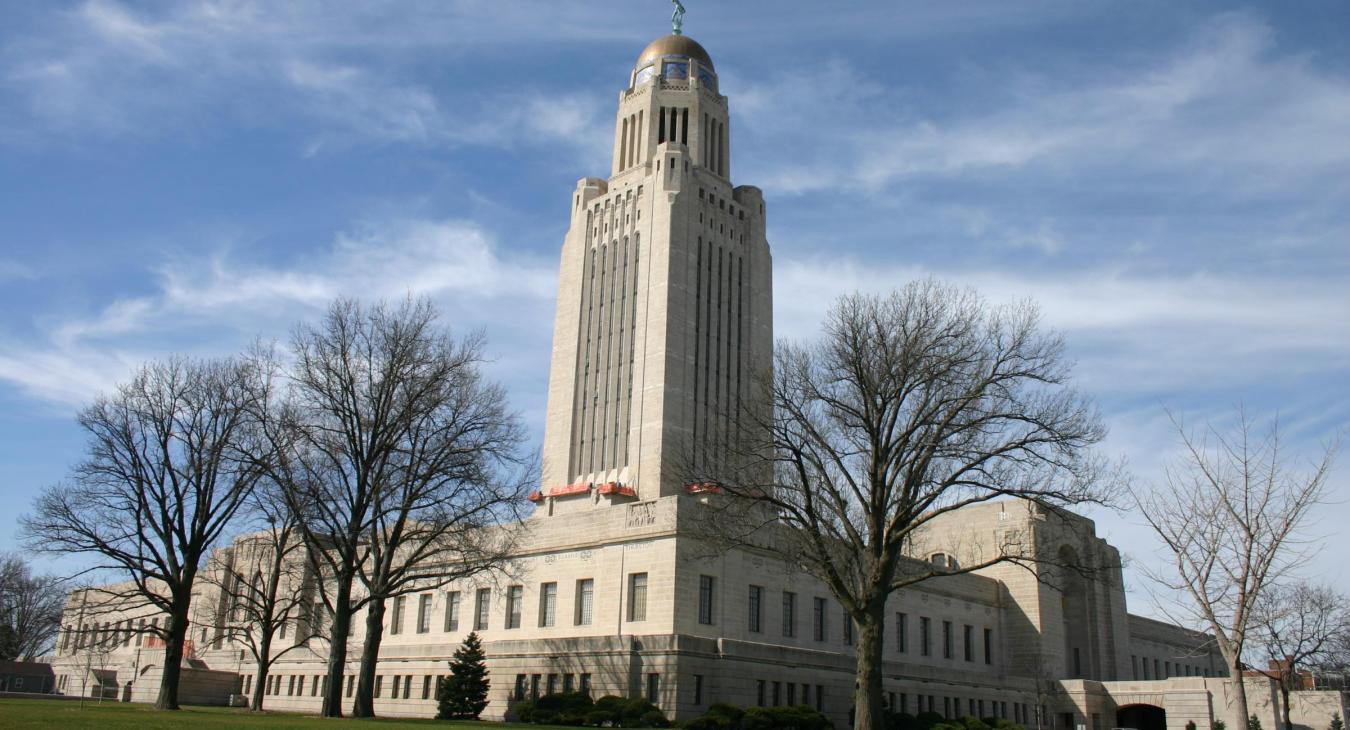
<point x="779" y="693"/>
<point x="1165" y="669"/>
<point x="952" y="707"/>
<point x="316" y="685"/>
<point x="531" y="686"/>
<point x="582" y="613"/>
<point x="755" y="606"/>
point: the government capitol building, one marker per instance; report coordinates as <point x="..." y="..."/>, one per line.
<point x="664" y="310"/>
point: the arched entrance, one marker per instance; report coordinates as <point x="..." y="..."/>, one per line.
<point x="1141" y="717"/>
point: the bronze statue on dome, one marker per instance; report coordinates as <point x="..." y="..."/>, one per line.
<point x="677" y="18"/>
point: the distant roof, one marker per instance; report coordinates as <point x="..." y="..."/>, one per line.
<point x="26" y="668"/>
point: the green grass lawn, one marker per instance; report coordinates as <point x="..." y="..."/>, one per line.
<point x="65" y="715"/>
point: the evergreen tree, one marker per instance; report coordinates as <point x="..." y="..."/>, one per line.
<point x="1336" y="722"/>
<point x="463" y="695"/>
<point x="1253" y="723"/>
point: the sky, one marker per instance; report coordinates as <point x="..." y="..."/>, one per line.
<point x="1169" y="181"/>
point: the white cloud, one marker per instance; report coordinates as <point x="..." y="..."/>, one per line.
<point x="216" y="304"/>
<point x="1227" y="110"/>
<point x="1130" y="333"/>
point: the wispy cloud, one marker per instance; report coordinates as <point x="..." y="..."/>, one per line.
<point x="1226" y="109"/>
<point x="214" y="305"/>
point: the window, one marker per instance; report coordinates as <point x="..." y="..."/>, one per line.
<point x="585" y="680"/>
<point x="424" y="613"/>
<point x="396" y="621"/>
<point x="968" y="645"/>
<point x="759" y="693"/>
<point x="519" y="694"/>
<point x="351" y="682"/>
<point x="394" y="694"/>
<point x="534" y="685"/>
<point x="818" y="619"/>
<point x="514" y="596"/>
<point x="552" y="684"/>
<point x="925" y="638"/>
<point x="407" y="686"/>
<point x="637" y="596"/>
<point x="777" y="693"/>
<point x="452" y="611"/>
<point x="820" y="698"/>
<point x="426" y="687"/>
<point x="946" y="639"/>
<point x="698" y="689"/>
<point x="705" y="599"/>
<point x="314" y="687"/>
<point x="988" y="646"/>
<point x="482" y="603"/>
<point x="585" y="594"/>
<point x="901" y="632"/>
<point x="569" y="682"/>
<point x="789" y="614"/>
<point x="653" y="688"/>
<point x="755" y="609"/>
<point x="548" y="604"/>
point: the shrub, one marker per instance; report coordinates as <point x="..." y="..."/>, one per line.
<point x="601" y="718"/>
<point x="1218" y="725"/>
<point x="1254" y="723"/>
<point x="901" y="721"/>
<point x="929" y="719"/>
<point x="1190" y="725"/>
<point x="970" y="722"/>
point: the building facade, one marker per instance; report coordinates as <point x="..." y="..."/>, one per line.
<point x="664" y="318"/>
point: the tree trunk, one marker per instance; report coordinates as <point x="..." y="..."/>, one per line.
<point x="1284" y="698"/>
<point x="868" y="707"/>
<point x="337" y="647"/>
<point x="173" y="653"/>
<point x="370" y="655"/>
<point x="1239" y="694"/>
<point x="255" y="703"/>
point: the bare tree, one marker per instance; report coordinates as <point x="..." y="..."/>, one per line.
<point x="1296" y="626"/>
<point x="30" y="610"/>
<point x="265" y="585"/>
<point x="400" y="457"/>
<point x="1229" y="511"/>
<point x="910" y="406"/>
<point x="172" y="457"/>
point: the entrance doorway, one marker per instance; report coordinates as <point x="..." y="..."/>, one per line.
<point x="1141" y="717"/>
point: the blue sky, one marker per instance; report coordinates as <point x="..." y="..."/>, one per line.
<point x="1171" y="181"/>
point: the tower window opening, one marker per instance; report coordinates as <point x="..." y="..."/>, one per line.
<point x="661" y="127"/>
<point x="684" y="126"/>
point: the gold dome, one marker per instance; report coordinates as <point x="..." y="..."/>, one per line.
<point x="674" y="45"/>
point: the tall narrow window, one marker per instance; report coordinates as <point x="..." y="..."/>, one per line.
<point x="396" y="622"/>
<point x="424" y="613"/>
<point x="901" y="632"/>
<point x="925" y="636"/>
<point x="514" y="597"/>
<point x="585" y="594"/>
<point x="946" y="639"/>
<point x="653" y="688"/>
<point x="818" y="619"/>
<point x="989" y="646"/>
<point x="452" y="611"/>
<point x="637" y="597"/>
<point x="548" y="604"/>
<point x="968" y="642"/>
<point x="755" y="609"/>
<point x="789" y="614"/>
<point x="705" y="599"/>
<point x="482" y="604"/>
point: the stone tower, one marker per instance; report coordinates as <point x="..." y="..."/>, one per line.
<point x="664" y="311"/>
